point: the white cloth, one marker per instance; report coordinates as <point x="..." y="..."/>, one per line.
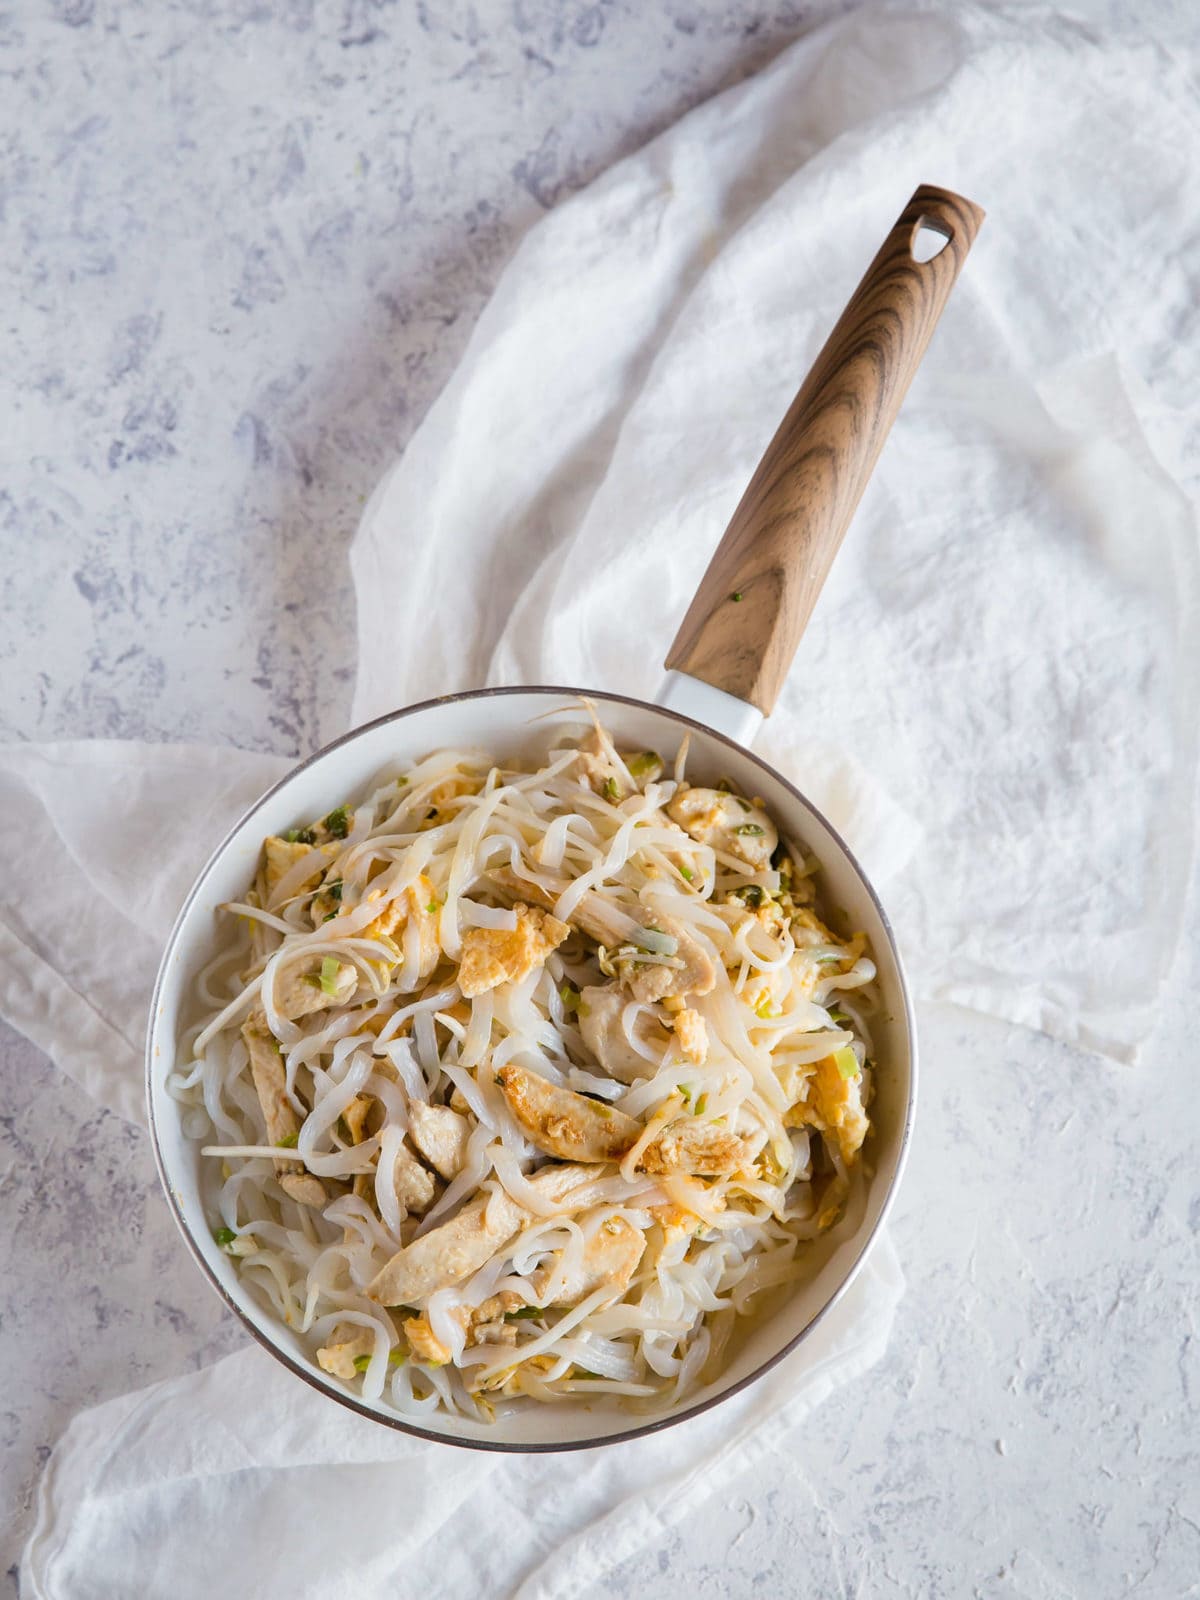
<point x="240" y="1481"/>
<point x="1002" y="648"/>
<point x="1004" y="641"/>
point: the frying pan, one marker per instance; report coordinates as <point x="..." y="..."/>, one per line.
<point x="725" y="670"/>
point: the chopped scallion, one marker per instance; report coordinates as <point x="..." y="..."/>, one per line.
<point x="288" y="1142"/>
<point x="646" y="767"/>
<point x="523" y="1314"/>
<point x="700" y="1105"/>
<point x="846" y="1062"/>
<point x="329" y="974"/>
<point x="611" y="792"/>
<point x="337" y="823"/>
<point x="224" y="1236"/>
<point x="749" y="830"/>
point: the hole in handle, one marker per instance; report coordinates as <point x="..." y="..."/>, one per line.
<point x="929" y="240"/>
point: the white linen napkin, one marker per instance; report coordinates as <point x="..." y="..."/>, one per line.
<point x="1003" y="649"/>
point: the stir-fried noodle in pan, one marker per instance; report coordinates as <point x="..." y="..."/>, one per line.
<point x="515" y="1084"/>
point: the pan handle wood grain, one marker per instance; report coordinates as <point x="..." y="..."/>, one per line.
<point x="745" y="622"/>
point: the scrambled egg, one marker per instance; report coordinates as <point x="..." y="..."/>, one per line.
<point x="692" y="1034"/>
<point x="833" y="1105"/>
<point x="279" y="857"/>
<point x="349" y="1343"/>
<point x="492" y="956"/>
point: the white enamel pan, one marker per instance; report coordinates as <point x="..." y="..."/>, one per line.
<point x="727" y="665"/>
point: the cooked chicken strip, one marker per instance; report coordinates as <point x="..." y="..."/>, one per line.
<point x="440" y="1135"/>
<point x="299" y="993"/>
<point x="449" y="1253"/>
<point x="304" y="1188"/>
<point x="270" y="1085"/>
<point x="698" y="975"/>
<point x="700" y="1148"/>
<point x="610" y="1259"/>
<point x="355" y="1115"/>
<point x="491" y="956"/>
<point x="415" y="1184"/>
<point x="563" y="1123"/>
<point x="600" y="1012"/>
<point x="728" y="824"/>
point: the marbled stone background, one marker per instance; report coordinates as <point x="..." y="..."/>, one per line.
<point x="242" y="247"/>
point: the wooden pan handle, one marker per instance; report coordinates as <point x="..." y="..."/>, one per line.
<point x="745" y="622"/>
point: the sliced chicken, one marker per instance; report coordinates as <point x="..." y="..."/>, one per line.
<point x="833" y="1104"/>
<point x="610" y="1259"/>
<point x="692" y="1033"/>
<point x="304" y="1188"/>
<point x="348" y="1344"/>
<point x="355" y="1117"/>
<point x="447" y="1254"/>
<point x="492" y="956"/>
<point x="728" y="824"/>
<point x="600" y="1013"/>
<point x="415" y="1184"/>
<point x="563" y="1123"/>
<point x="440" y="1135"/>
<point x="698" y="974"/>
<point x="270" y="1085"/>
<point x="299" y="992"/>
<point x="700" y="1148"/>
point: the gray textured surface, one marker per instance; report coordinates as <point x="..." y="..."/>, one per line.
<point x="243" y="248"/>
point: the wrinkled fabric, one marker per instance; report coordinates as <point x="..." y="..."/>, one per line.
<point x="994" y="701"/>
<point x="166" y="1493"/>
<point x="1005" y="641"/>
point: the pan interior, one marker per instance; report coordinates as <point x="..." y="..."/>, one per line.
<point x="508" y="724"/>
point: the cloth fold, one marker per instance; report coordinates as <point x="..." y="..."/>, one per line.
<point x="312" y="1502"/>
<point x="1003" y="651"/>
